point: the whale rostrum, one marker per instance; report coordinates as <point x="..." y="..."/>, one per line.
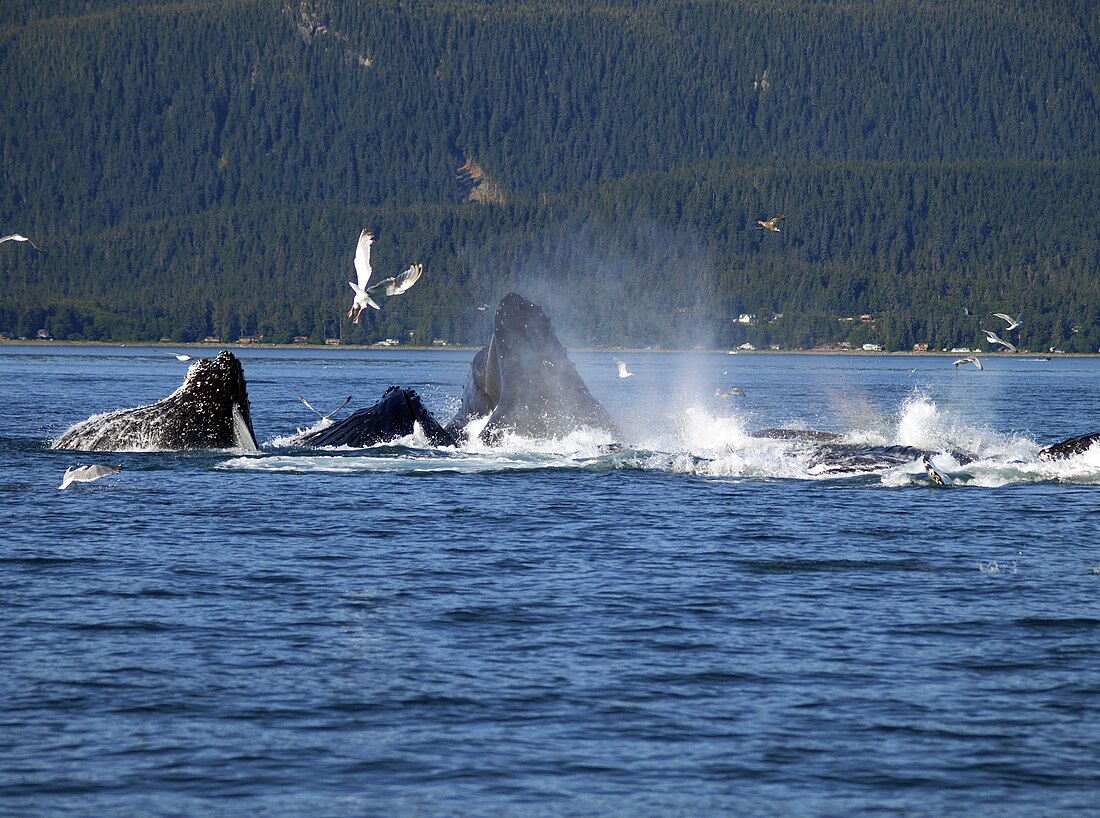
<point x="210" y="410"/>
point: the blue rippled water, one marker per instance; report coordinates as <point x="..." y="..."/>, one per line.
<point x="705" y="623"/>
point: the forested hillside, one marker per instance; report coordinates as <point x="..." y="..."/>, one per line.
<point x="205" y="167"/>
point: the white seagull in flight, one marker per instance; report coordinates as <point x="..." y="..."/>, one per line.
<point x="969" y="359"/>
<point x="402" y="282"/>
<point x="85" y="474"/>
<point x="993" y="338"/>
<point x="1013" y="323"/>
<point x="17" y="237"/>
<point x="362" y="276"/>
<point x="623" y="371"/>
<point x="394" y="285"/>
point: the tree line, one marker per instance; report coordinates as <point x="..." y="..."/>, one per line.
<point x="203" y="168"/>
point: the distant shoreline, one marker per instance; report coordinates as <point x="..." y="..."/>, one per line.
<point x="461" y="348"/>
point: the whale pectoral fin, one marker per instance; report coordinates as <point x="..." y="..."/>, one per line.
<point x="492" y="373"/>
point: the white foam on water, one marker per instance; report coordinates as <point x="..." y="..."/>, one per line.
<point x="698" y="441"/>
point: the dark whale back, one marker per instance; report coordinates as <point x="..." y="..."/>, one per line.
<point x="390" y="418"/>
<point x="210" y="410"/>
<point x="523" y="379"/>
<point x="1068" y="448"/>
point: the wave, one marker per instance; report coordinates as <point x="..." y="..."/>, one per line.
<point x="700" y="442"/>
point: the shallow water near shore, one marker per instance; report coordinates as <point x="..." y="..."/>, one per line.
<point x="699" y="622"/>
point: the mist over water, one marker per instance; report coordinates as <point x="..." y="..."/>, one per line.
<point x="699" y="621"/>
<point x="584" y="275"/>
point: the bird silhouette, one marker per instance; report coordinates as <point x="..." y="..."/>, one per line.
<point x="771" y="224"/>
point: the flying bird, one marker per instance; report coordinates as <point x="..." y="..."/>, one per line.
<point x="17" y="237"/>
<point x="993" y="338"/>
<point x="771" y="224"/>
<point x="347" y="400"/>
<point x="969" y="359"/>
<point x="623" y="371"/>
<point x="1013" y="323"/>
<point x="400" y="283"/>
<point x="362" y="276"/>
<point x="729" y="393"/>
<point x="394" y="285"/>
<point x="482" y="307"/>
<point x="86" y="474"/>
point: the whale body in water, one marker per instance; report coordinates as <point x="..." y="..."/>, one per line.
<point x="526" y="384"/>
<point x="393" y="416"/>
<point x="210" y="410"/>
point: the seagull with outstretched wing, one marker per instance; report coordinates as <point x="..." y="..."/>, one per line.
<point x="1013" y="323"/>
<point x="969" y="359"/>
<point x="623" y="371"/>
<point x="993" y="338"/>
<point x="86" y="474"/>
<point x="771" y="224"/>
<point x="324" y="416"/>
<point x="400" y="283"/>
<point x="362" y="276"/>
<point x="17" y="237"/>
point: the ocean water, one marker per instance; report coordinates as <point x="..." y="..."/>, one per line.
<point x="701" y="623"/>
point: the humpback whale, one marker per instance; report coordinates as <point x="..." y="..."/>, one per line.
<point x="210" y="410"/>
<point x="524" y="381"/>
<point x="391" y="417"/>
<point x="832" y="456"/>
<point x="1069" y="447"/>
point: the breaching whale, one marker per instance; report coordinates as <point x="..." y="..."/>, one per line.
<point x="391" y="417"/>
<point x="210" y="410"/>
<point x="524" y="381"/>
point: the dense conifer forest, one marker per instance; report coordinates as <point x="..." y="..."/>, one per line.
<point x="203" y="168"/>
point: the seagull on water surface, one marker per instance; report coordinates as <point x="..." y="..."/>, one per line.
<point x="86" y="474"/>
<point x="969" y="359"/>
<point x="623" y="371"/>
<point x="179" y="356"/>
<point x="347" y="400"/>
<point x="993" y="338"/>
<point x="771" y="224"/>
<point x="394" y="285"/>
<point x="1013" y="323"/>
<point x="17" y="237"/>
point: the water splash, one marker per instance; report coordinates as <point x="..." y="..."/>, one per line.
<point x="700" y="441"/>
